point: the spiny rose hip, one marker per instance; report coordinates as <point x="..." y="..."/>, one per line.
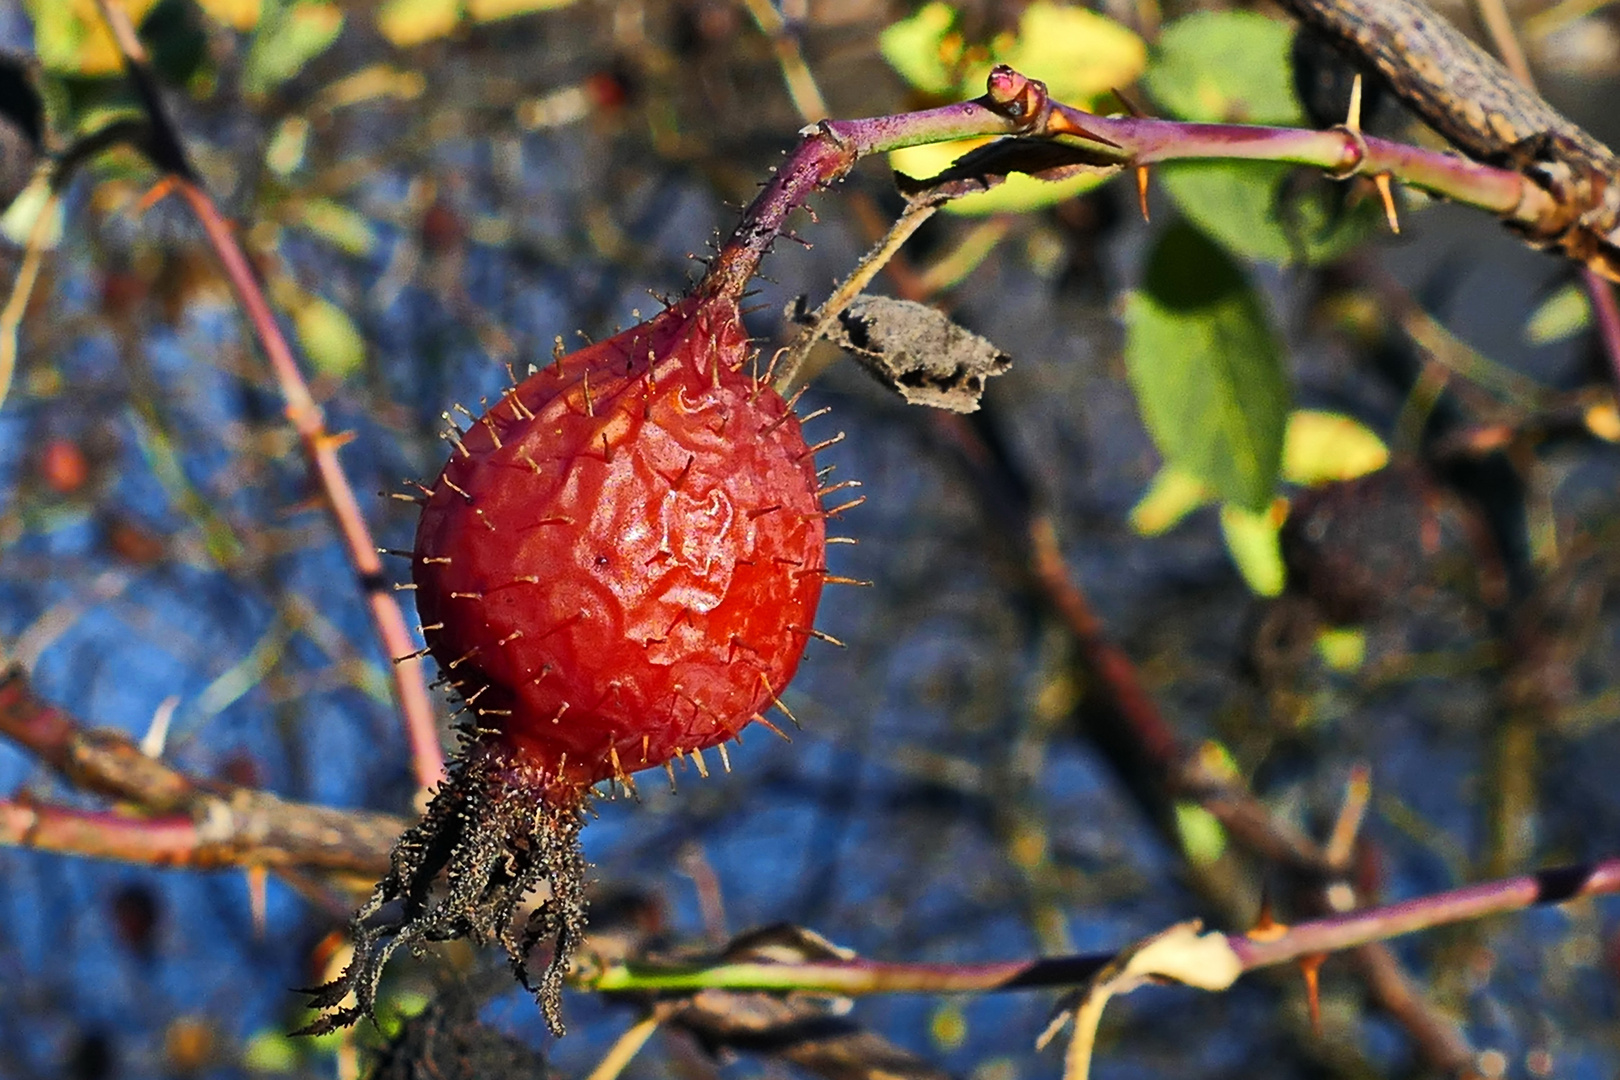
<point x="621" y="560"/>
<point x="619" y="564"/>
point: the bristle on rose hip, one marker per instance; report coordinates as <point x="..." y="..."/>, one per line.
<point x="618" y="565"/>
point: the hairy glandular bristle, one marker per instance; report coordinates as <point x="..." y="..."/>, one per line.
<point x="496" y="838"/>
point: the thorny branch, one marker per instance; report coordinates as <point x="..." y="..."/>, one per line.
<point x="1052" y="140"/>
<point x="1466" y="95"/>
<point x="182" y="821"/>
<point x="859" y="977"/>
<point x="166" y="150"/>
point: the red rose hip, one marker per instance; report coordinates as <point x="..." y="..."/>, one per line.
<point x="619" y="562"/>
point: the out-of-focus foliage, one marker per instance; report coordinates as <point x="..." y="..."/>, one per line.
<point x="1318" y="448"/>
<point x="414" y="22"/>
<point x="1559" y="317"/>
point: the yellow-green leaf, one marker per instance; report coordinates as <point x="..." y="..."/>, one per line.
<point x="331" y="342"/>
<point x="1079" y="54"/>
<point x="285" y="152"/>
<point x="1603" y="420"/>
<point x="1320" y="447"/>
<point x="1076" y="52"/>
<point x="1217" y="761"/>
<point x="23" y="215"/>
<point x="1562" y="315"/>
<point x="1251" y="539"/>
<point x="338" y="224"/>
<point x="948" y="1026"/>
<point x="920" y="48"/>
<point x="1018" y="194"/>
<point x="240" y="15"/>
<point x="490" y="10"/>
<point x="294" y="37"/>
<point x="70" y="37"/>
<point x="1203" y="838"/>
<point x="1173" y="495"/>
<point x="413" y="22"/>
<point x="1342" y="648"/>
<point x="270" y="1051"/>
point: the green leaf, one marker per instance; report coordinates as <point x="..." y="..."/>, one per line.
<point x="1320" y="447"/>
<point x="1079" y="54"/>
<point x="337" y="224"/>
<point x="270" y="1051"/>
<point x="1269" y="211"/>
<point x="1562" y="315"/>
<point x="917" y="49"/>
<point x="1235" y="67"/>
<point x="1172" y="496"/>
<point x="1228" y="66"/>
<point x="329" y="338"/>
<point x="1252" y="539"/>
<point x="1342" y="648"/>
<point x="288" y="40"/>
<point x="1207" y="371"/>
<point x="1019" y="193"/>
<point x="1203" y="837"/>
<point x="406" y="23"/>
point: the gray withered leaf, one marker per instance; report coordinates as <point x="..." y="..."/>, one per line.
<point x="919" y="352"/>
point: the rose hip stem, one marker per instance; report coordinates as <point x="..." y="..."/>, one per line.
<point x="827" y="151"/>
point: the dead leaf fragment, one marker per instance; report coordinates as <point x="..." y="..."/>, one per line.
<point x="919" y="352"/>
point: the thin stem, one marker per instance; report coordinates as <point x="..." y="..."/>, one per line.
<point x="825" y="154"/>
<point x="170" y="840"/>
<point x="864" y="977"/>
<point x="625" y="1048"/>
<point x="22" y="290"/>
<point x="320" y="446"/>
<point x="1425" y="912"/>
<point x="1343" y="153"/>
<point x="189" y="822"/>
<point x="916" y="212"/>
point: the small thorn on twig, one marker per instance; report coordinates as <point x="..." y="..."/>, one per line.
<point x="1387" y="195"/>
<point x="1352" y="118"/>
<point x="1142" y="191"/>
<point x="1340" y="847"/>
<point x="1310" y="967"/>
<point x="157" y="193"/>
